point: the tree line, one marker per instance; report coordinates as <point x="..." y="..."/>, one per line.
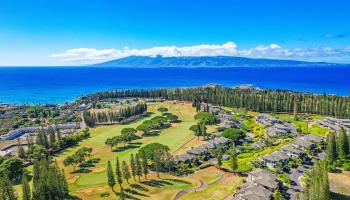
<point x="48" y="182"/>
<point x="154" y="153"/>
<point x="78" y="158"/>
<point x="255" y="100"/>
<point x="317" y="183"/>
<point x="93" y="118"/>
<point x="338" y="148"/>
<point x="127" y="136"/>
<point x="48" y="142"/>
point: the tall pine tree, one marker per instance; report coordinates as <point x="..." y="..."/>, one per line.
<point x="144" y="165"/>
<point x="332" y="154"/>
<point x="133" y="166"/>
<point x="126" y="172"/>
<point x="110" y="176"/>
<point x="26" y="195"/>
<point x="6" y="188"/>
<point x="138" y="166"/>
<point x="343" y="144"/>
<point x="119" y="174"/>
<point x="233" y="159"/>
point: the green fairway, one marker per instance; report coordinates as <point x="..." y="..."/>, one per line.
<point x="174" y="137"/>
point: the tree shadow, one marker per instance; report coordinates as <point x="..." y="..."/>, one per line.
<point x="156" y="183"/>
<point x="130" y="146"/>
<point x="340" y="196"/>
<point x="82" y="170"/>
<point x="127" y="196"/>
<point x="136" y="143"/>
<point x="177" y="180"/>
<point x="139" y="187"/>
<point x="151" y="133"/>
<point x="90" y="163"/>
<point x="134" y="192"/>
<point x="140" y="118"/>
<point x="71" y="197"/>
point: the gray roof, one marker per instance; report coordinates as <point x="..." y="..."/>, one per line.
<point x="313" y="138"/>
<point x="267" y="119"/>
<point x="21" y="131"/>
<point x="276" y="156"/>
<point x="302" y="143"/>
<point x="184" y="158"/>
<point x="198" y="150"/>
<point x="264" y="178"/>
<point x="225" y="156"/>
<point x="251" y="135"/>
<point x="258" y="145"/>
<point x="223" y="116"/>
<point x="219" y="141"/>
<point x="293" y="150"/>
<point x="252" y="191"/>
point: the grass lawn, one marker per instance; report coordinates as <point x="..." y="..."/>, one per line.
<point x="220" y="190"/>
<point x="318" y="130"/>
<point x="245" y="158"/>
<point x="207" y="175"/>
<point x="313" y="127"/>
<point x="254" y="126"/>
<point x="340" y="183"/>
<point x="83" y="184"/>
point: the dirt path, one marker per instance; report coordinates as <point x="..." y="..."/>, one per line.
<point x="202" y="186"/>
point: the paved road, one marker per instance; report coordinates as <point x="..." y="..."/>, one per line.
<point x="202" y="186"/>
<point x="295" y="184"/>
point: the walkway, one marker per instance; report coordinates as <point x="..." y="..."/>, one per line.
<point x="202" y="186"/>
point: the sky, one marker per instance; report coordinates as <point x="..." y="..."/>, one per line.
<point x="77" y="32"/>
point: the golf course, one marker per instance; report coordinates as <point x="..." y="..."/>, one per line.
<point x="91" y="183"/>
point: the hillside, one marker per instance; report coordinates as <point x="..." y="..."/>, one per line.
<point x="206" y="61"/>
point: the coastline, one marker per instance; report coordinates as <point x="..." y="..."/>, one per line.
<point x="40" y="85"/>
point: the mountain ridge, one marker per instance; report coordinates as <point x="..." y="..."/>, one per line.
<point x="207" y="61"/>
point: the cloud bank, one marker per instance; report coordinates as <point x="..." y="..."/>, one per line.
<point x="92" y="55"/>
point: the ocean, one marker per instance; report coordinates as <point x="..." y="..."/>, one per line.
<point x="38" y="85"/>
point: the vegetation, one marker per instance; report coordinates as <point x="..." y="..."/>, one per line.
<point x="92" y="118"/>
<point x="156" y="123"/>
<point x="26" y="193"/>
<point x="199" y="130"/>
<point x="233" y="159"/>
<point x="78" y="157"/>
<point x="255" y="100"/>
<point x="126" y="137"/>
<point x="110" y="176"/>
<point x="151" y="153"/>
<point x="162" y="109"/>
<point x="12" y="167"/>
<point x="233" y="134"/>
<point x="6" y="188"/>
<point x="48" y="181"/>
<point x="317" y="183"/>
<point x="338" y="149"/>
<point x="206" y="118"/>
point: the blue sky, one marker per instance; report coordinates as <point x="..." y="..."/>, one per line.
<point x="65" y="32"/>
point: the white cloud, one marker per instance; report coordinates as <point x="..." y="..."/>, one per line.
<point x="91" y="55"/>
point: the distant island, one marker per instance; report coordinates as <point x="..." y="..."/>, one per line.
<point x="207" y="61"/>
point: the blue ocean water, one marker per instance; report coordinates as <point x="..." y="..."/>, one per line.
<point x="36" y="85"/>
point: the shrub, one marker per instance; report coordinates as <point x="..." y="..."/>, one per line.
<point x="233" y="134"/>
<point x="346" y="167"/>
<point x="207" y="118"/>
<point x="284" y="178"/>
<point x="104" y="194"/>
<point x="205" y="165"/>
